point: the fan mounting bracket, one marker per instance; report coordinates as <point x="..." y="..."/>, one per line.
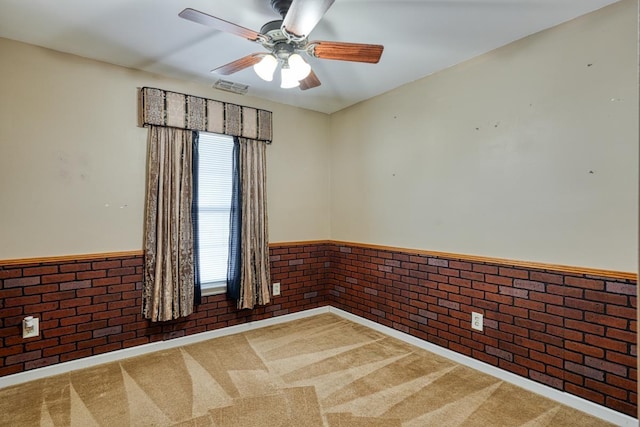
<point x="281" y="6"/>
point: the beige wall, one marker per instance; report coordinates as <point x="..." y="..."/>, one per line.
<point x="524" y="153"/>
<point x="72" y="159"/>
<point x="529" y="152"/>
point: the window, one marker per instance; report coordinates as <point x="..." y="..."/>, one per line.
<point x="213" y="205"/>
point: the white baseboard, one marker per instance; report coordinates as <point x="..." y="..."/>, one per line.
<point x="578" y="403"/>
<point x="87" y="362"/>
<point x="549" y="392"/>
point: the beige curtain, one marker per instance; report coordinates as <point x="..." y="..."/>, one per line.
<point x="168" y="239"/>
<point x="254" y="246"/>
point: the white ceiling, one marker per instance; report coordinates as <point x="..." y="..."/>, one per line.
<point x="420" y="38"/>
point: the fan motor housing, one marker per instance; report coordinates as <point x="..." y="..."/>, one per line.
<point x="272" y="29"/>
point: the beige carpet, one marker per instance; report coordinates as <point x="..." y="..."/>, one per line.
<point x="319" y="371"/>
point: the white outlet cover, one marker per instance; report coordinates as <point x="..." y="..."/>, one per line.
<point x="34" y="331"/>
<point x="276" y="289"/>
<point x="476" y="321"/>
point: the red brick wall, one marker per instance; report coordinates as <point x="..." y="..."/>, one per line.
<point x="573" y="332"/>
<point x="92" y="306"/>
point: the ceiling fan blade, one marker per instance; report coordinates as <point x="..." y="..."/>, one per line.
<point x="340" y="51"/>
<point x="239" y="64"/>
<point x="310" y="81"/>
<point x="218" y="24"/>
<point x="304" y="15"/>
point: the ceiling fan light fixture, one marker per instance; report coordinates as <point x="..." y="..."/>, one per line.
<point x="283" y="38"/>
<point x="299" y="67"/>
<point x="266" y="67"/>
<point x="288" y="77"/>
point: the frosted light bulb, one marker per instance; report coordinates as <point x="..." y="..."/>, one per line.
<point x="266" y="67"/>
<point x="299" y="67"/>
<point x="288" y="78"/>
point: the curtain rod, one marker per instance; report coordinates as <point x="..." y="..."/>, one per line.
<point x="266" y="141"/>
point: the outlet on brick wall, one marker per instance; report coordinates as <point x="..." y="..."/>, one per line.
<point x="476" y="321"/>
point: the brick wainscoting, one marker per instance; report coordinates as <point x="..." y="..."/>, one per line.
<point x="570" y="329"/>
<point x="90" y="306"/>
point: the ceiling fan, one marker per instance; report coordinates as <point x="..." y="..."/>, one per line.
<point x="285" y="40"/>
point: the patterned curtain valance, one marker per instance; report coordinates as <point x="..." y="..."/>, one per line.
<point x="164" y="108"/>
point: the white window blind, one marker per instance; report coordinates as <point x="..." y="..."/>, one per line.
<point x="214" y="203"/>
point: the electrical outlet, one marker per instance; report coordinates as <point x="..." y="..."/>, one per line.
<point x="476" y="321"/>
<point x="276" y="289"/>
<point x="30" y="327"/>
